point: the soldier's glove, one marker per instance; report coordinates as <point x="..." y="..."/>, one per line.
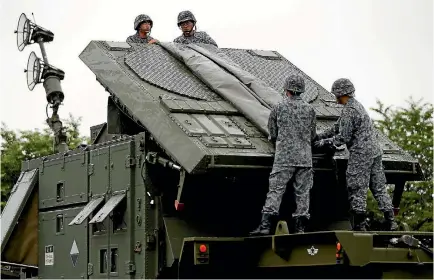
<point x="323" y="143"/>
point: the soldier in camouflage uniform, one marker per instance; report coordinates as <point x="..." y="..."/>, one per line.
<point x="292" y="129"/>
<point x="143" y="25"/>
<point x="187" y="23"/>
<point x="354" y="128"/>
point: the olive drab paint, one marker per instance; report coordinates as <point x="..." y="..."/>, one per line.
<point x="182" y="161"/>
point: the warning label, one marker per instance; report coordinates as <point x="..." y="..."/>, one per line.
<point x="74" y="253"/>
<point x="49" y="255"/>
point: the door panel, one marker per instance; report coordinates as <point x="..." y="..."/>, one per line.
<point x="62" y="248"/>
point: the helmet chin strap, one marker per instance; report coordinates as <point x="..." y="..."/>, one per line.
<point x="188" y="33"/>
<point x="147" y="32"/>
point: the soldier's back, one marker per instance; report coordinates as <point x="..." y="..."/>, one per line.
<point x="364" y="140"/>
<point x="295" y="118"/>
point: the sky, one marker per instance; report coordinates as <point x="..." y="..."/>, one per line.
<point x="384" y="46"/>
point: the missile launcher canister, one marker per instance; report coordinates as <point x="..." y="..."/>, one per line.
<point x="174" y="180"/>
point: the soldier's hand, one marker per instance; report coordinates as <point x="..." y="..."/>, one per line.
<point x="153" y="41"/>
<point x="323" y="143"/>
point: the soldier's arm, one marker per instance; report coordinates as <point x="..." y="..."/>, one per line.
<point x="129" y="39"/>
<point x="209" y="40"/>
<point x="346" y="127"/>
<point x="177" y="40"/>
<point x="272" y="126"/>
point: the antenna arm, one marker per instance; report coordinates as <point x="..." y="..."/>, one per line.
<point x="56" y="126"/>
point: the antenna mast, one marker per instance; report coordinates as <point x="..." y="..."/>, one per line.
<point x="29" y="33"/>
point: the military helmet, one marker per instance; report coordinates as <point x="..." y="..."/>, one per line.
<point x="185" y="16"/>
<point x="343" y="87"/>
<point x="294" y="83"/>
<point x="140" y="19"/>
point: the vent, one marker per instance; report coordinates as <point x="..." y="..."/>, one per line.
<point x="265" y="54"/>
<point x="117" y="46"/>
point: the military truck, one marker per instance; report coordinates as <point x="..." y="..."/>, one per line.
<point x="172" y="183"/>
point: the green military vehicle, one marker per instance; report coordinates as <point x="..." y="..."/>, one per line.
<point x="175" y="179"/>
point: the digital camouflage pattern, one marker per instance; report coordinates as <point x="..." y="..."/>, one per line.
<point x="292" y="128"/>
<point x="302" y="185"/>
<point x="295" y="84"/>
<point x="343" y="87"/>
<point x="185" y="16"/>
<point x="200" y="37"/>
<point x="363" y="174"/>
<point x="137" y="39"/>
<point x="355" y="129"/>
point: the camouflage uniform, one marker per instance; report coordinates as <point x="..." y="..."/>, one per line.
<point x="355" y="129"/>
<point x="292" y="128"/>
<point x="136" y="39"/>
<point x="200" y="37"/>
<point x="137" y="22"/>
<point x="196" y="36"/>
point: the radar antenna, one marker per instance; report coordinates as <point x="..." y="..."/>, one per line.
<point x="50" y="76"/>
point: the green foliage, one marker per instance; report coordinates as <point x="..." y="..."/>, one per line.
<point x="17" y="146"/>
<point x="411" y="128"/>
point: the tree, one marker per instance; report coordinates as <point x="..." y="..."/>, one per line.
<point x="411" y="128"/>
<point x="18" y="146"/>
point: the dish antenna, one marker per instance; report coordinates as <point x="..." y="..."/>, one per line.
<point x="41" y="71"/>
<point x="30" y="33"/>
<point x="50" y="76"/>
<point x="33" y="71"/>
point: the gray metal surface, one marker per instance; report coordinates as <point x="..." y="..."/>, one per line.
<point x="87" y="210"/>
<point x="107" y="208"/>
<point x="263" y="92"/>
<point x="273" y="71"/>
<point x="164" y="113"/>
<point x="157" y="68"/>
<point x="19" y="195"/>
<point x="227" y="85"/>
<point x="204" y="107"/>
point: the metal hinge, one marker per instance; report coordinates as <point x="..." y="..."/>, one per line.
<point x="130" y="267"/>
<point x="89" y="269"/>
<point x="91" y="169"/>
<point x="130" y="162"/>
<point x="64" y="161"/>
<point x="151" y="241"/>
<point x="84" y="158"/>
<point x="43" y="165"/>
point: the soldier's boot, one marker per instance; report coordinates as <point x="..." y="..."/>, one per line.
<point x="359" y="221"/>
<point x="300" y="224"/>
<point x="264" y="227"/>
<point x="391" y="225"/>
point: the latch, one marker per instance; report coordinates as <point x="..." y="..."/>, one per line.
<point x="89" y="269"/>
<point x="130" y="267"/>
<point x="130" y="162"/>
<point x="91" y="169"/>
<point x="43" y="164"/>
<point x="64" y="155"/>
<point x="138" y="247"/>
<point x="142" y="145"/>
<point x="150" y="241"/>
